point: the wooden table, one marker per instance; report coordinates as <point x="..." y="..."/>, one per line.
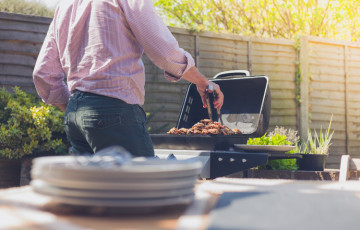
<point x="21" y="208"/>
<point x="224" y="203"/>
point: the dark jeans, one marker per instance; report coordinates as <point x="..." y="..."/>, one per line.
<point x="94" y="122"/>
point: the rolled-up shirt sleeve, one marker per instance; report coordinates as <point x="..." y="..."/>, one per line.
<point x="153" y="35"/>
<point x="48" y="74"/>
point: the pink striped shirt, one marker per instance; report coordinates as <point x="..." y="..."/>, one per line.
<point x="98" y="44"/>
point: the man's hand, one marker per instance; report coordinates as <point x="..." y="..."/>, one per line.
<point x="218" y="101"/>
<point x="202" y="83"/>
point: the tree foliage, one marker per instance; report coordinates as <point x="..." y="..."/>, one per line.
<point x="25" y="7"/>
<point x="336" y="19"/>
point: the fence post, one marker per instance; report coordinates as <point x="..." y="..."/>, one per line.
<point x="347" y="120"/>
<point x="196" y="38"/>
<point x="304" y="86"/>
<point x="249" y="54"/>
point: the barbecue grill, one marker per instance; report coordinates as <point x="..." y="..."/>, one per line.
<point x="247" y="106"/>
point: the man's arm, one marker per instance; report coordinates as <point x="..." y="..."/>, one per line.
<point x="154" y="36"/>
<point x="48" y="74"/>
<point x="163" y="49"/>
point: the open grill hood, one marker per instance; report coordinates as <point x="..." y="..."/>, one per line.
<point x="246" y="106"/>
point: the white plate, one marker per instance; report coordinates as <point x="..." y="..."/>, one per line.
<point x="59" y="171"/>
<point x="179" y="183"/>
<point x="265" y="148"/>
<point x="46" y="189"/>
<point x="138" y="169"/>
<point x="64" y="174"/>
<point x="125" y="203"/>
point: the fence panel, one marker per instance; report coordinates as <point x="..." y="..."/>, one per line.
<point x="353" y="99"/>
<point x="278" y="62"/>
<point x="327" y="77"/>
<point x="217" y="54"/>
<point x="20" y="42"/>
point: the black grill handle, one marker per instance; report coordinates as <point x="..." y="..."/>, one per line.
<point x="232" y="74"/>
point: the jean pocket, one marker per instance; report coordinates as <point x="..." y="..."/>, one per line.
<point x="101" y="120"/>
<point x="142" y="114"/>
<point x="107" y="119"/>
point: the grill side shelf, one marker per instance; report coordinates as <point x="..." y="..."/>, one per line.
<point x="226" y="163"/>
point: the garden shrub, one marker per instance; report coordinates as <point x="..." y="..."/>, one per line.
<point x="29" y="126"/>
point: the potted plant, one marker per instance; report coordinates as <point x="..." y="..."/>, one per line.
<point x="280" y="136"/>
<point x="316" y="150"/>
<point x="29" y="128"/>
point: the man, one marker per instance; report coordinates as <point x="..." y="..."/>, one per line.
<point x="97" y="45"/>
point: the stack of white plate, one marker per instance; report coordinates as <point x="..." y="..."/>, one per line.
<point x="146" y="183"/>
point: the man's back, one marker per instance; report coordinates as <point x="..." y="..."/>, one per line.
<point x="99" y="47"/>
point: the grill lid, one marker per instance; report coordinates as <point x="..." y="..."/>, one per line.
<point x="247" y="103"/>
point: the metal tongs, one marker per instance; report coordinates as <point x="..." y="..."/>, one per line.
<point x="207" y="97"/>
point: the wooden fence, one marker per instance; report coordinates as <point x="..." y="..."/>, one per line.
<point x="329" y="83"/>
<point x="331" y="88"/>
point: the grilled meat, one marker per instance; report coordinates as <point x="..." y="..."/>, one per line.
<point x="206" y="127"/>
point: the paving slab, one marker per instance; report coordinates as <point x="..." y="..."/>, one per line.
<point x="284" y="204"/>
